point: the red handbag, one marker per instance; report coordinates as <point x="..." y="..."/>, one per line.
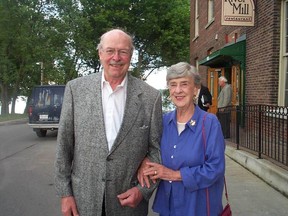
<point x="227" y="209"/>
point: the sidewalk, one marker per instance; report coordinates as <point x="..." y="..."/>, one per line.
<point x="251" y="196"/>
<point x="15" y="121"/>
<point x="272" y="174"/>
<point x="248" y="194"/>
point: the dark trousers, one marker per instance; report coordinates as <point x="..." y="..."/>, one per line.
<point x="224" y="119"/>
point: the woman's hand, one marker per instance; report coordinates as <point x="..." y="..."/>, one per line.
<point x="158" y="171"/>
<point x="144" y="179"/>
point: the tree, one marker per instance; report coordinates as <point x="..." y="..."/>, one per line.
<point x="27" y="36"/>
<point x="63" y="36"/>
<point x="160" y="29"/>
<point x="166" y="101"/>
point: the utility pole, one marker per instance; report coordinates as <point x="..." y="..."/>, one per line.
<point x="42" y="72"/>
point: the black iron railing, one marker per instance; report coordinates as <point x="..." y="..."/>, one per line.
<point x="263" y="129"/>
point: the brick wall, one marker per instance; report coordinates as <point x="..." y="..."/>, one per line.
<point x="206" y="41"/>
<point x="262" y="54"/>
<point x="262" y="47"/>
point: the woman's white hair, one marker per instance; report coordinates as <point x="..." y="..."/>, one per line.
<point x="183" y="69"/>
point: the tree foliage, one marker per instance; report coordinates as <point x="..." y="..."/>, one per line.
<point x="63" y="35"/>
<point x="27" y="36"/>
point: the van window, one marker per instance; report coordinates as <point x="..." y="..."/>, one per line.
<point x="48" y="96"/>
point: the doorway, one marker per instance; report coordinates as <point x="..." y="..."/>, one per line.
<point x="233" y="76"/>
<point x="213" y="75"/>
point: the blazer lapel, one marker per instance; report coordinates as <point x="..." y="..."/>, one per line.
<point x="97" y="118"/>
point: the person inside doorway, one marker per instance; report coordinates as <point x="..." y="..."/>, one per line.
<point x="225" y="96"/>
<point x="224" y="103"/>
<point x="204" y="98"/>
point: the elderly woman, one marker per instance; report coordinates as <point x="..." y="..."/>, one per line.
<point x="192" y="151"/>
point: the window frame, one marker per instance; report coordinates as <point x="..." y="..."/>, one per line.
<point x="283" y="62"/>
<point x="210" y="12"/>
<point x="196" y="27"/>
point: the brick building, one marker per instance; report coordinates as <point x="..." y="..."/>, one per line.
<point x="253" y="58"/>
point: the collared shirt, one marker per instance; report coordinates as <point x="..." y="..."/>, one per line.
<point x="186" y="153"/>
<point x="113" y="108"/>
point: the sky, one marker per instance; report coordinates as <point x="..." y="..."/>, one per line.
<point x="20" y="105"/>
<point x="157" y="79"/>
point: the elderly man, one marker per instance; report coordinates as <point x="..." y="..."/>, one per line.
<point x="225" y="96"/>
<point x="224" y="100"/>
<point x="109" y="123"/>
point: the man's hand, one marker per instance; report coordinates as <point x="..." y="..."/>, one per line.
<point x="131" y="197"/>
<point x="68" y="206"/>
<point x="144" y="179"/>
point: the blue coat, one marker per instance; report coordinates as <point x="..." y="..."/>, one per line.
<point x="185" y="152"/>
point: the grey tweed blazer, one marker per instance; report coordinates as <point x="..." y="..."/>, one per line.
<point x="84" y="167"/>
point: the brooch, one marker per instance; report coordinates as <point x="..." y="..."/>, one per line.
<point x="192" y="122"/>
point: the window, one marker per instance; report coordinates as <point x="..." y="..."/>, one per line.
<point x="286" y="50"/>
<point x="210" y="10"/>
<point x="196" y="18"/>
<point x="283" y="74"/>
<point x="46" y="96"/>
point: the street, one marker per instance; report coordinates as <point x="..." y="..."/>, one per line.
<point x="27" y="185"/>
<point x="26" y="170"/>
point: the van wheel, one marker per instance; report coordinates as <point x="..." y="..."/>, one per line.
<point x="41" y="133"/>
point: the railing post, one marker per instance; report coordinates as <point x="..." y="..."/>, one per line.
<point x="259" y="131"/>
<point x="237" y="126"/>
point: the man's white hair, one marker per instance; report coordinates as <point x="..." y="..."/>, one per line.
<point x="222" y="78"/>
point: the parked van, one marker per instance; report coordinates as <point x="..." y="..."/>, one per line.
<point x="45" y="108"/>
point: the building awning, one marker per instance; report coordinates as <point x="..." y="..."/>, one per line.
<point x="227" y="56"/>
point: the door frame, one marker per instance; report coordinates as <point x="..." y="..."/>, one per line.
<point x="235" y="82"/>
<point x="212" y="80"/>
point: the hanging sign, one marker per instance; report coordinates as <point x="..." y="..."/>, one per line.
<point x="238" y="12"/>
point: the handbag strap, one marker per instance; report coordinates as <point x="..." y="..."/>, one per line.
<point x="204" y="144"/>
<point x="226" y="191"/>
<point x="207" y="191"/>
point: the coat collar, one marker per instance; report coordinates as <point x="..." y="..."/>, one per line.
<point x="192" y="122"/>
